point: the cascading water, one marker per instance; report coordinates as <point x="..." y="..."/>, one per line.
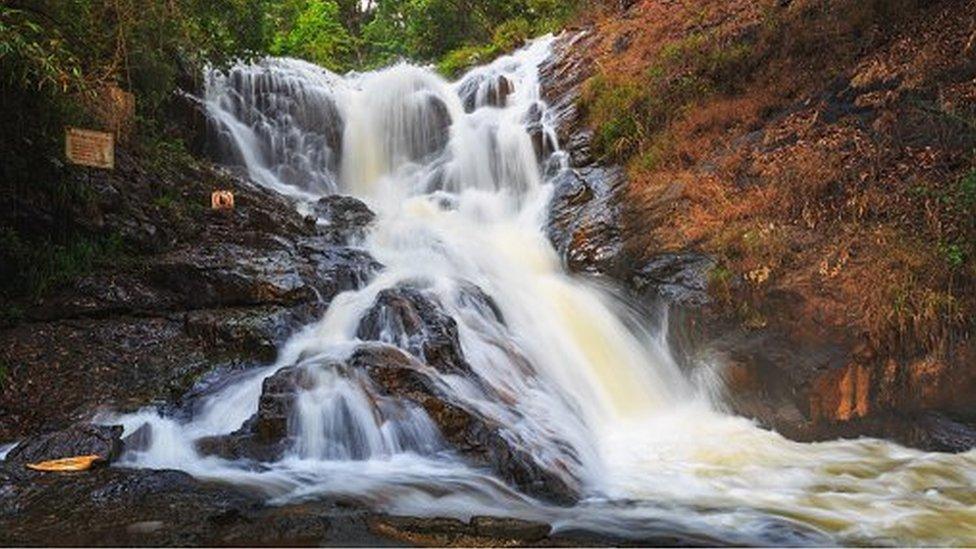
<point x="459" y="187"/>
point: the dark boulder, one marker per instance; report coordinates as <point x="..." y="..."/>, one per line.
<point x="407" y="318"/>
<point x="473" y="297"/>
<point x="499" y="90"/>
<point x="477" y="438"/>
<point x="339" y="269"/>
<point x="430" y="128"/>
<point x="344" y="217"/>
<point x="276" y="407"/>
<point x="84" y="439"/>
<point x="138" y="440"/>
<point x="267" y="434"/>
<point x="244" y="444"/>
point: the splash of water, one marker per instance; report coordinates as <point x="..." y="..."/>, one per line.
<point x="458" y="184"/>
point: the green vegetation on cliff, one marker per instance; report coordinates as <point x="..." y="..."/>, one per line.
<point x="61" y="58"/>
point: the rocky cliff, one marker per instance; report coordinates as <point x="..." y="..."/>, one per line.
<point x="796" y="180"/>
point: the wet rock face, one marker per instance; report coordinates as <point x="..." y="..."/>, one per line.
<point x="561" y="78"/>
<point x="680" y="278"/>
<point x="340" y="269"/>
<point x="78" y="440"/>
<point x="585" y="224"/>
<point x="477" y="438"/>
<point x="406" y="318"/>
<point x="134" y="508"/>
<point x="225" y="274"/>
<point x="62" y="372"/>
<point x="584" y="219"/>
<point x="809" y="387"/>
<point x="344" y="217"/>
<point x="260" y="329"/>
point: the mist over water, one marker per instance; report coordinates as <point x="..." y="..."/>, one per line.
<point x="461" y="193"/>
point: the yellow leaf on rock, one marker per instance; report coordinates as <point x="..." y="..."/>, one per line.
<point x="78" y="463"/>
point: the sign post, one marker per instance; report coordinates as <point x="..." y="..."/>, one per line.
<point x="90" y="148"/>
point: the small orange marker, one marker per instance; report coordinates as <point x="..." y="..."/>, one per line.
<point x="78" y="463"/>
<point x="222" y="200"/>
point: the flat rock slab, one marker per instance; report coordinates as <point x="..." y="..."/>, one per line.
<point x="78" y="440"/>
<point x="133" y="507"/>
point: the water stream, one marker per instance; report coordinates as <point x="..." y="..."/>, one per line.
<point x="461" y="196"/>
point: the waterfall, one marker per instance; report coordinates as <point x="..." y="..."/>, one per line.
<point x="458" y="174"/>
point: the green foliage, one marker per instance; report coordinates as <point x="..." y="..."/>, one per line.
<point x="32" y="268"/>
<point x="461" y="59"/>
<point x="630" y="113"/>
<point x="77" y="45"/>
<point x="32" y="56"/>
<point x="954" y="254"/>
<point x="317" y="35"/>
<point x="967" y="190"/>
<point x="507" y="37"/>
<point x="616" y="106"/>
<point x="511" y="34"/>
<point x="961" y="205"/>
<point x="57" y="54"/>
<point x="955" y="205"/>
<point x="457" y="33"/>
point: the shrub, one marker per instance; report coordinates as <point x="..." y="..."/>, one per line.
<point x="511" y="35"/>
<point x="29" y="269"/>
<point x="628" y="113"/>
<point x="317" y="35"/>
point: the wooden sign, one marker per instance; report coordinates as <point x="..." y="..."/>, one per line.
<point x="222" y="200"/>
<point x="90" y="148"/>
